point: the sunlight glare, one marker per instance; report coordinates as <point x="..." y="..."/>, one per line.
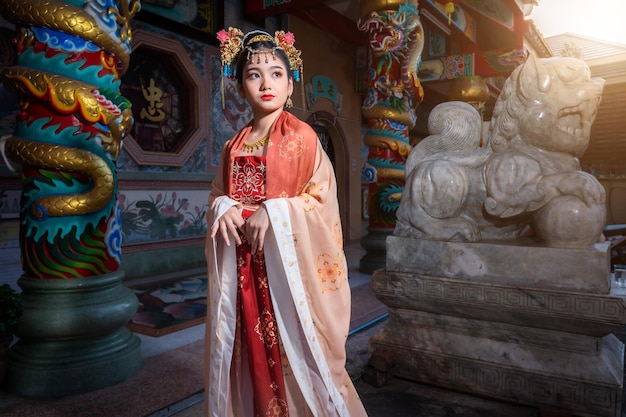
<point x="601" y="19"/>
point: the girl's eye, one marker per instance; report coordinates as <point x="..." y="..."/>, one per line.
<point x="277" y="74"/>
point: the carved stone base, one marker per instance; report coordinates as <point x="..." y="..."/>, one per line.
<point x="530" y="344"/>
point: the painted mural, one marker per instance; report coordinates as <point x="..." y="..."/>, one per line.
<point x="162" y="215"/>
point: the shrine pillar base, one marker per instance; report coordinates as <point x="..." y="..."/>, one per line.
<point x="72" y="337"/>
<point x="375" y="251"/>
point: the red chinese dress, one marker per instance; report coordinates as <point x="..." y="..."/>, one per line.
<point x="257" y="331"/>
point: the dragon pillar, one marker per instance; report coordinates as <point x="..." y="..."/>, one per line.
<point x="396" y="41"/>
<point x="71" y="56"/>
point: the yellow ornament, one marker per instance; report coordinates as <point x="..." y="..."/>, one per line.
<point x="448" y="10"/>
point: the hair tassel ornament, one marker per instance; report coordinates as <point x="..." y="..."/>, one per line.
<point x="230" y="47"/>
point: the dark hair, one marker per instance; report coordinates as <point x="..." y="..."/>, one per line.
<point x="260" y="46"/>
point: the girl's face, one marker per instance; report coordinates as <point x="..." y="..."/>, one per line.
<point x="265" y="85"/>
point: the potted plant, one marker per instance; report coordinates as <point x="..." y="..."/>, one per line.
<point x="10" y="311"/>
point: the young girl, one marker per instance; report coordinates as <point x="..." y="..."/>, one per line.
<point x="279" y="298"/>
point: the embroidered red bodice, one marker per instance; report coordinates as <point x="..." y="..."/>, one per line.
<point x="248" y="178"/>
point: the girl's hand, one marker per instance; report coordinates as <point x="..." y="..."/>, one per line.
<point x="229" y="222"/>
<point x="255" y="229"/>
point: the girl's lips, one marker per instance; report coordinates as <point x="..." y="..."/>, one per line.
<point x="267" y="97"/>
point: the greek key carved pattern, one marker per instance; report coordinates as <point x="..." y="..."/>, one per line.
<point x="511" y="298"/>
<point x="498" y="382"/>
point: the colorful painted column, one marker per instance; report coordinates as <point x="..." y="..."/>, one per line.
<point x="71" y="56"/>
<point x="396" y="41"/>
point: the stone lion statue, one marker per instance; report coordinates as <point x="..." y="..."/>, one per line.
<point x="526" y="175"/>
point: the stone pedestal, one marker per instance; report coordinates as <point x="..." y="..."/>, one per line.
<point x="519" y="323"/>
<point x="374" y="244"/>
<point x="73" y="337"/>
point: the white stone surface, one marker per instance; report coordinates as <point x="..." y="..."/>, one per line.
<point x="520" y="262"/>
<point x="461" y="186"/>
